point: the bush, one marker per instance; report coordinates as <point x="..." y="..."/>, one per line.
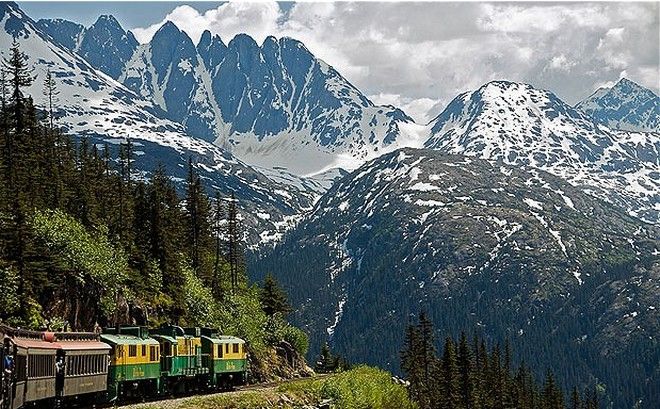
<point x="365" y="387"/>
<point x="89" y="257"/>
<point x="297" y="338"/>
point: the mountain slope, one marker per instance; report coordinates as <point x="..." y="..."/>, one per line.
<point x="520" y="125"/>
<point x="92" y="104"/>
<point x="512" y="253"/>
<point x="273" y="105"/>
<point x="169" y="72"/>
<point x="625" y="106"/>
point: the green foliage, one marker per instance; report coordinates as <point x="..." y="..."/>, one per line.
<point x="240" y="314"/>
<point x="89" y="256"/>
<point x="365" y="387"/>
<point x="297" y="338"/>
<point x="9" y="282"/>
<point x="361" y="388"/>
<point x="273" y="298"/>
<point x="201" y="308"/>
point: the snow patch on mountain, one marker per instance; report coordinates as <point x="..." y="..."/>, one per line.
<point x="517" y="124"/>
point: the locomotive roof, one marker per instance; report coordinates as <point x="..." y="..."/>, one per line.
<point x="125" y="339"/>
<point x="224" y="339"/>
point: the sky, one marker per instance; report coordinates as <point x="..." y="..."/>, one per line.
<point x="419" y="56"/>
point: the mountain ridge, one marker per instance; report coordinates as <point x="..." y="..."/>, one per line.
<point x="272" y="104"/>
<point x="519" y="124"/>
<point x="625" y="106"/>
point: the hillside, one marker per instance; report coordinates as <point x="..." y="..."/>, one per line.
<point x="517" y="254"/>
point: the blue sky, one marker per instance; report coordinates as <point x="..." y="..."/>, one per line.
<point x="129" y="14"/>
<point x="418" y="56"/>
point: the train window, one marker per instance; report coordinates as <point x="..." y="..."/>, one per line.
<point x="144" y="350"/>
<point x="235" y="348"/>
<point x="226" y="348"/>
<point x="220" y="351"/>
<point x="132" y="350"/>
<point x="152" y="353"/>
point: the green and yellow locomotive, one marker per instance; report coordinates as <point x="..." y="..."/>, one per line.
<point x="48" y="369"/>
<point x="134" y="362"/>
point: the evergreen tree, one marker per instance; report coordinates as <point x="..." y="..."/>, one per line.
<point x="411" y="364"/>
<point x="450" y="385"/>
<point x="218" y="215"/>
<point x="197" y="224"/>
<point x="50" y="93"/>
<point x="273" y="298"/>
<point x="576" y="402"/>
<point x="466" y="373"/>
<point x="234" y="240"/>
<point x="551" y="397"/>
<point x="20" y="76"/>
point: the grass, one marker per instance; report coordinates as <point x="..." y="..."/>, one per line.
<point x="360" y="388"/>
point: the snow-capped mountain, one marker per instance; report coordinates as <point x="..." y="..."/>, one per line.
<point x="169" y="72"/>
<point x="518" y="124"/>
<point x="94" y="105"/>
<point x="105" y="44"/>
<point x="273" y="105"/>
<point x="515" y="253"/>
<point x="626" y="106"/>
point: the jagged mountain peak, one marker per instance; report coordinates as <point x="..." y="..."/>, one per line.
<point x="106" y="45"/>
<point x="64" y="32"/>
<point x="168" y="28"/>
<point x="208" y="38"/>
<point x="625" y="106"/>
<point x="108" y="19"/>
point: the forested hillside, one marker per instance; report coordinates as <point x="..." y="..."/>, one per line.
<point x="470" y="375"/>
<point x="512" y="253"/>
<point x="85" y="242"/>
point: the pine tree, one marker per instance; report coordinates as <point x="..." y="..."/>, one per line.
<point x="466" y="370"/>
<point x="428" y="359"/>
<point x="551" y="397"/>
<point x="576" y="402"/>
<point x="197" y="224"/>
<point x="20" y="76"/>
<point x="50" y="93"/>
<point x="411" y="364"/>
<point x="450" y="385"/>
<point x="235" y="247"/>
<point x="273" y="298"/>
<point x="218" y="215"/>
<point x="327" y="362"/>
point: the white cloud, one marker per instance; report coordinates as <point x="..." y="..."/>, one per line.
<point x="421" y="109"/>
<point x="420" y="55"/>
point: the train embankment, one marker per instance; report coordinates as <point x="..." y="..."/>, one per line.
<point x="359" y="387"/>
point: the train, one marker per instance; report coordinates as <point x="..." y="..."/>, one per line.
<point x="59" y="369"/>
